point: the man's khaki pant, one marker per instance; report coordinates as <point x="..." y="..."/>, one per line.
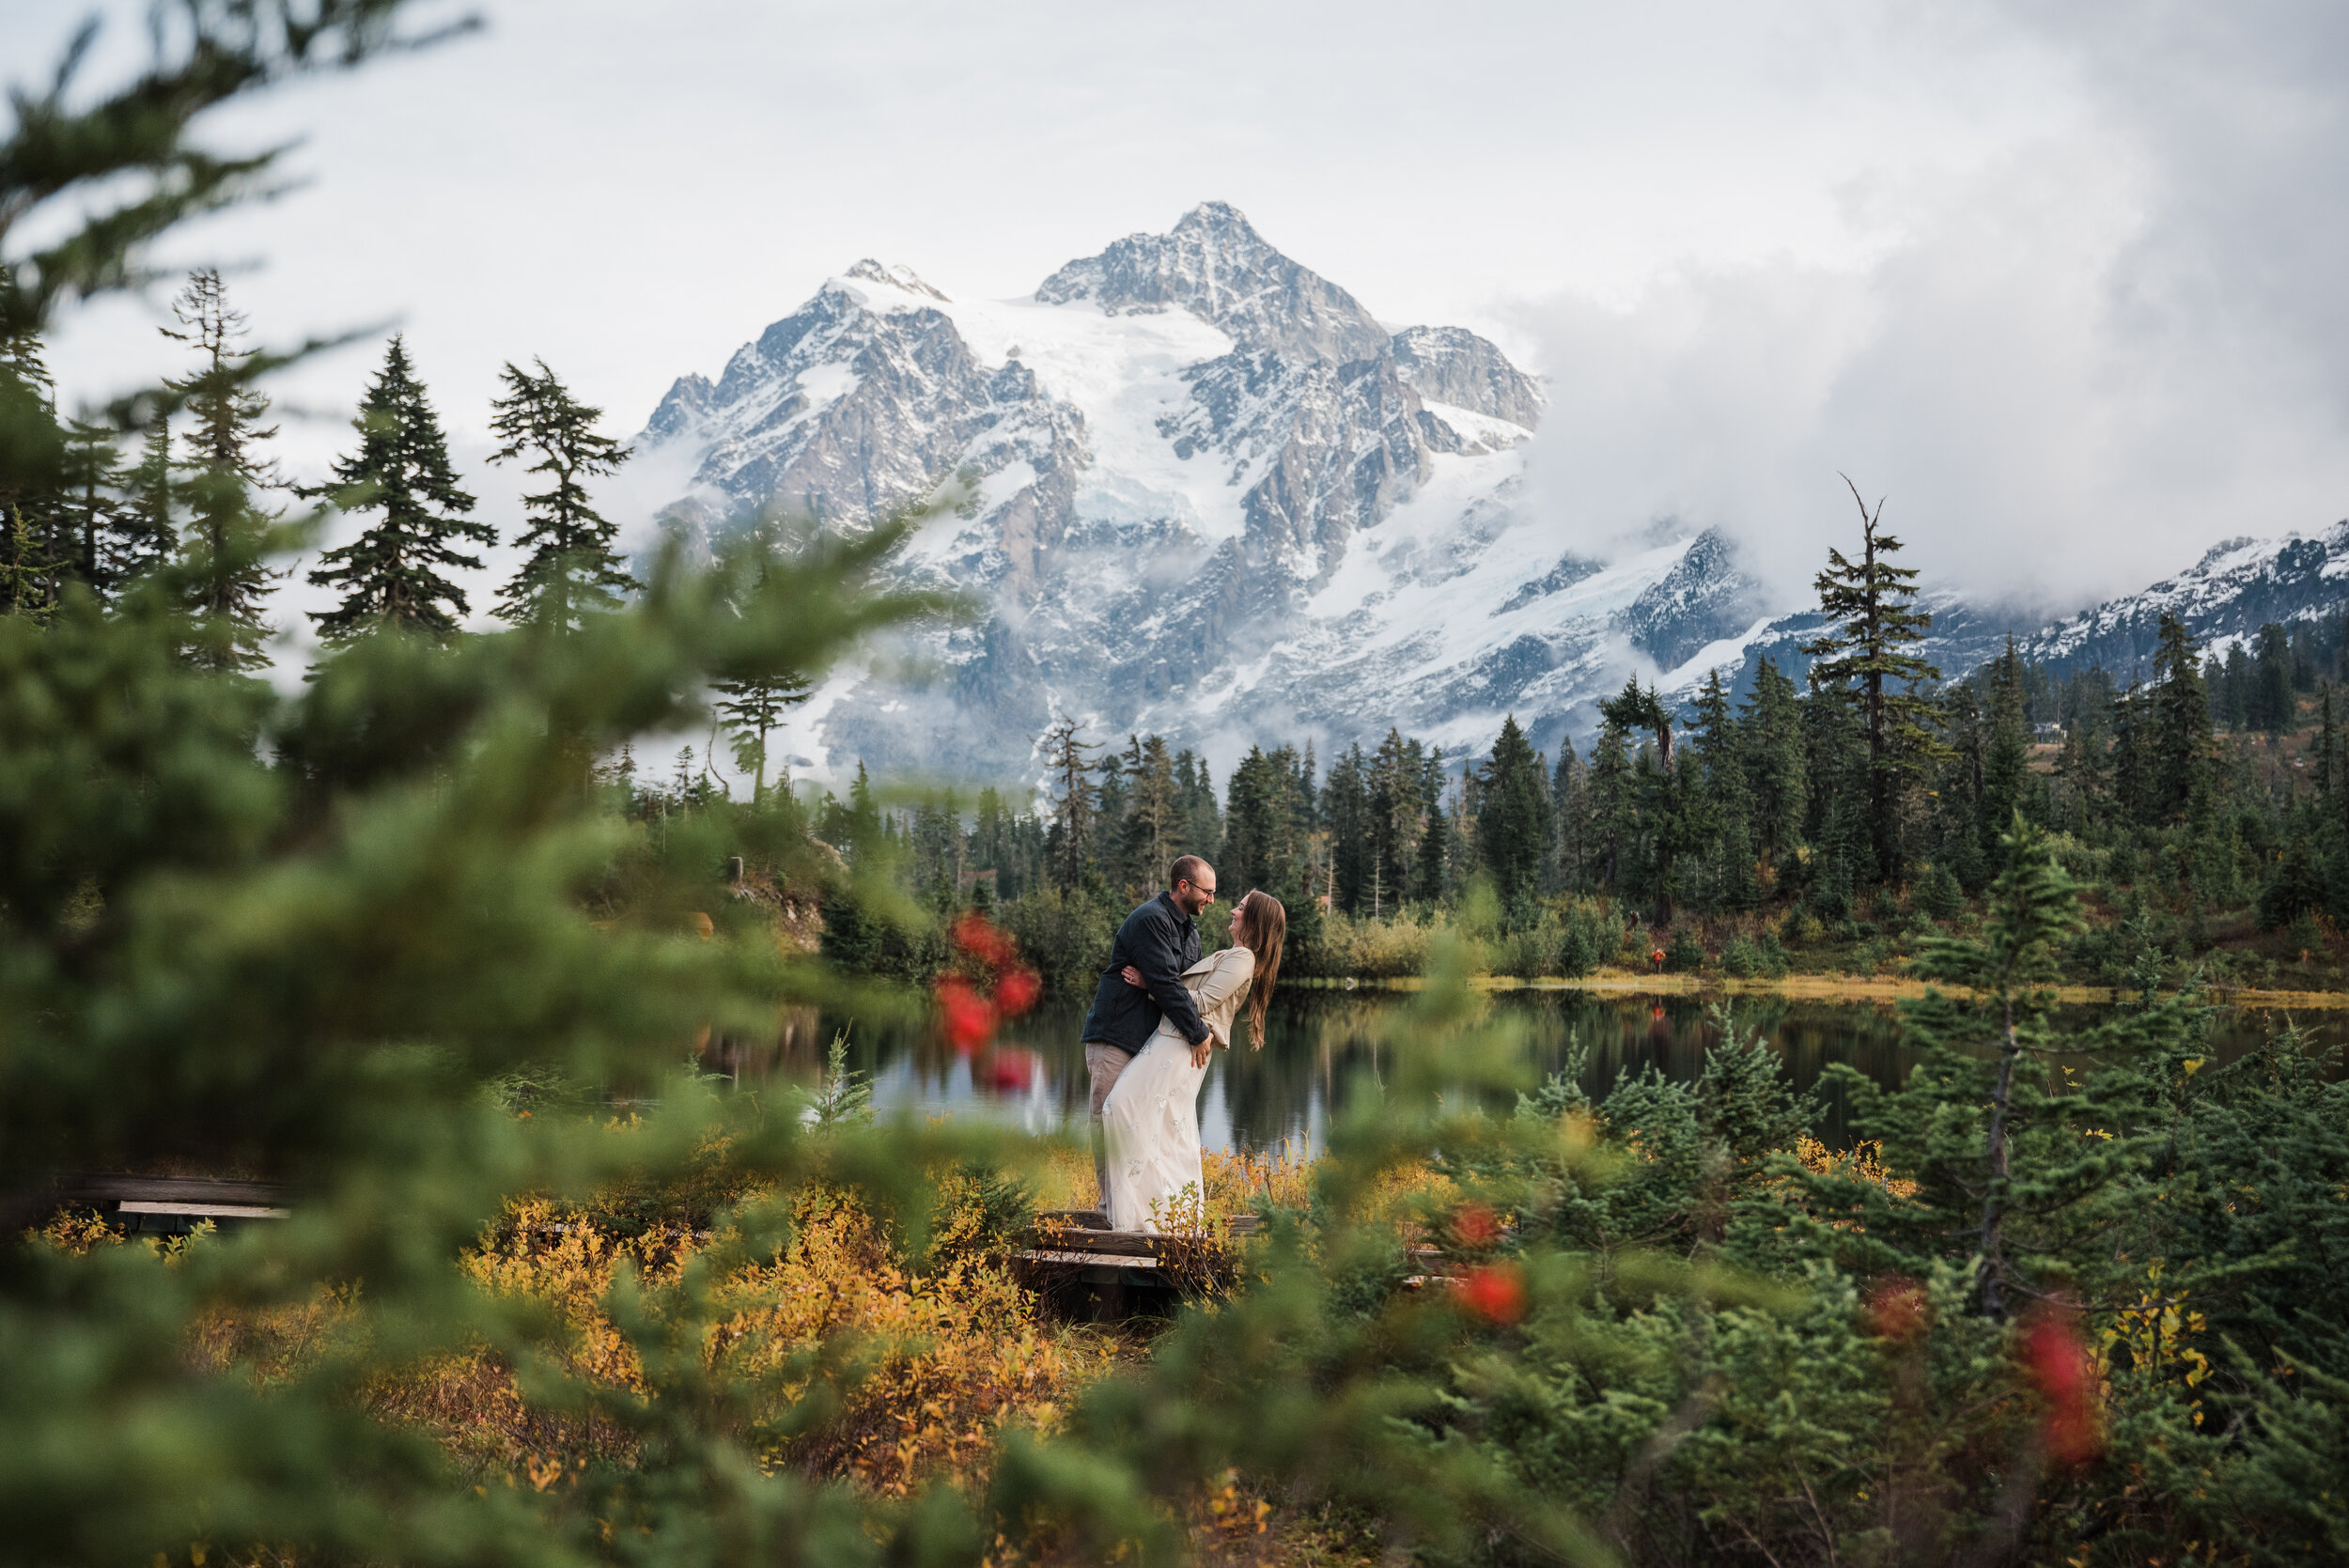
<point x="1104" y="1063"/>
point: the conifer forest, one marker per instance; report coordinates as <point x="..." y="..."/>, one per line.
<point x="435" y="948"/>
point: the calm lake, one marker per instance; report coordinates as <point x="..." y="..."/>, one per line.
<point x="1319" y="1040"/>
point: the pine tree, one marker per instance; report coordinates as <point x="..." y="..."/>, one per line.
<point x="23" y="570"/>
<point x="1871" y="605"/>
<point x="1255" y="822"/>
<point x="1345" y="810"/>
<point x="2006" y="773"/>
<point x="228" y="530"/>
<point x="108" y="539"/>
<point x="1203" y="823"/>
<point x="574" y="568"/>
<point x="1728" y="805"/>
<point x="2272" y="708"/>
<point x="1075" y="802"/>
<point x="148" y="526"/>
<point x="32" y="450"/>
<point x="1569" y="817"/>
<point x="1154" y="815"/>
<point x="1843" y="844"/>
<point x="751" y="708"/>
<point x="2178" y="742"/>
<point x="1512" y="819"/>
<point x="1396" y="787"/>
<point x="391" y="574"/>
<point x="1614" y="809"/>
<point x="1771" y="718"/>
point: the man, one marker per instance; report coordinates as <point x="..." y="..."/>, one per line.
<point x="1160" y="941"/>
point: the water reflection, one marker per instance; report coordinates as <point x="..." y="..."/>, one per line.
<point x="1319" y="1040"/>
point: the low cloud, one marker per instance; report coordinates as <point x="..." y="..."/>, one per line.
<point x="2069" y="370"/>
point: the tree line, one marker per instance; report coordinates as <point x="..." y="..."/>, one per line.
<point x="1853" y="789"/>
<point x="89" y="517"/>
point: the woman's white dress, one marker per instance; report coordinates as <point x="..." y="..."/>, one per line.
<point x="1151" y="1118"/>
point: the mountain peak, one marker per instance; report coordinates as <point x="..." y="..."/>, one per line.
<point x="1215" y="265"/>
<point x="870" y="271"/>
<point x="1218" y="217"/>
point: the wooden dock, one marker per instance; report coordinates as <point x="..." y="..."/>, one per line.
<point x="1081" y="1266"/>
<point x="170" y="1205"/>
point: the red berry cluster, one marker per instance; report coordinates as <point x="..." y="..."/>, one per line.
<point x="1495" y="1291"/>
<point x="970" y="1009"/>
<point x="2061" y="1366"/>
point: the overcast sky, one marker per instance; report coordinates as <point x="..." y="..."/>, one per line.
<point x="2064" y="282"/>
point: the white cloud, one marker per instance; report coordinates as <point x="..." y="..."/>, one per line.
<point x="2059" y="280"/>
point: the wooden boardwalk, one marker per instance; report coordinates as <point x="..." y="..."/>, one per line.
<point x="170" y="1205"/>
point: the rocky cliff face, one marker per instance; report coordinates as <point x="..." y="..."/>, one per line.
<point x="1200" y="489"/>
<point x="1194" y="486"/>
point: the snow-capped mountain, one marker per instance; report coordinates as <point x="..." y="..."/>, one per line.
<point x="2235" y="588"/>
<point x="1201" y="489"/>
<point x="1192" y="485"/>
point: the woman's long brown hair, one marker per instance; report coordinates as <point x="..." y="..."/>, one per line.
<point x="1264" y="926"/>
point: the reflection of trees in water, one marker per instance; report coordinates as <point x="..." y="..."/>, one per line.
<point x="1319" y="1040"/>
<point x="795" y="1050"/>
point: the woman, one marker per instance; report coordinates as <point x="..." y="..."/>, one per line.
<point x="1152" y="1116"/>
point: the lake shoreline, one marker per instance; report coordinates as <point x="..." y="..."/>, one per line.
<point x="1807" y="987"/>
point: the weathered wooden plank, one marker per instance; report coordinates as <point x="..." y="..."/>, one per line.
<point x="204" y="1211"/>
<point x="100" y="1190"/>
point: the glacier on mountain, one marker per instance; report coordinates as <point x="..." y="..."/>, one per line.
<point x="1191" y="485"/>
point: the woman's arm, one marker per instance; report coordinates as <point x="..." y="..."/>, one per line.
<point x="1226" y="975"/>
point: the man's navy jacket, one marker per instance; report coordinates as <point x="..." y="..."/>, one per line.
<point x="1161" y="941"/>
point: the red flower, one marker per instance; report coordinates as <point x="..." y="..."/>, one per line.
<point x="1495" y="1292"/>
<point x="1475" y="1226"/>
<point x="2061" y="1368"/>
<point x="968" y="1020"/>
<point x="1897" y="1310"/>
<point x="1016" y="992"/>
<point x="985" y="942"/>
<point x="1013" y="1070"/>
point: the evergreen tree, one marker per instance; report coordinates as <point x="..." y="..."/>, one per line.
<point x="1727" y="802"/>
<point x="391" y="574"/>
<point x="1957" y="817"/>
<point x="228" y="529"/>
<point x="574" y="567"/>
<point x="1430" y="858"/>
<point x="91" y="508"/>
<point x="1254" y="821"/>
<point x="23" y="570"/>
<point x="1346" y="809"/>
<point x="1872" y="608"/>
<point x="1513" y="820"/>
<point x="1570" y="819"/>
<point x="2272" y="705"/>
<point x="2178" y="744"/>
<point x="1154" y="814"/>
<point x="2231" y="686"/>
<point x="32" y="452"/>
<point x="2006" y="776"/>
<point x="1075" y="802"/>
<point x="147" y="527"/>
<point x="1613" y="809"/>
<point x="1397" y="787"/>
<point x="1773" y="746"/>
<point x="1194" y="788"/>
<point x="1842" y="842"/>
<point x="752" y="707"/>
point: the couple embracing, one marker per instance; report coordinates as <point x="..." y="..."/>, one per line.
<point x="1158" y="1014"/>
